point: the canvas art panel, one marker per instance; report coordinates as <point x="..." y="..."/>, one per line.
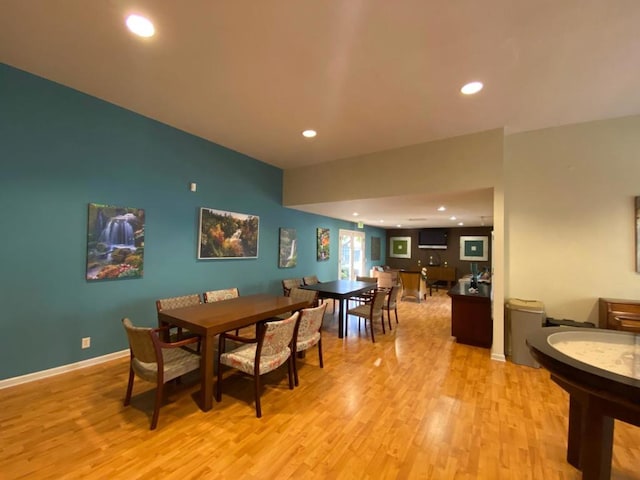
<point x="115" y="242"/>
<point x="474" y="248"/>
<point x="224" y="235"/>
<point x="400" y="247"/>
<point x="288" y="254"/>
<point x="323" y="244"/>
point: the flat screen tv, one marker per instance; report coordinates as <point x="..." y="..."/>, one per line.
<point x="433" y="238"/>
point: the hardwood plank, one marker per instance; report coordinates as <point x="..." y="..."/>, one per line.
<point x="413" y="405"/>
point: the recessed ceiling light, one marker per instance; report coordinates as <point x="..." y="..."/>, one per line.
<point x="140" y="25"/>
<point x="355" y="214"/>
<point x="399" y="225"/>
<point x="381" y="221"/>
<point x="442" y="208"/>
<point x="471" y="88"/>
<point x="452" y="218"/>
<point x="461" y="223"/>
<point x="309" y="133"/>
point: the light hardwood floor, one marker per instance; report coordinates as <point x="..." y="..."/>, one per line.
<point x="413" y="405"/>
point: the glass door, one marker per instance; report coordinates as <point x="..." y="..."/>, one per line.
<point x="352" y="254"/>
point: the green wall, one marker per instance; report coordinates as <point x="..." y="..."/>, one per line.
<point x="60" y="151"/>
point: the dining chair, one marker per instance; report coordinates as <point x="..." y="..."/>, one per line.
<point x="156" y="361"/>
<point x="312" y="280"/>
<point x="289" y="283"/>
<point x="364" y="297"/>
<point x="178" y="302"/>
<point x="300" y="295"/>
<point x="271" y="348"/>
<point x="217" y="295"/>
<point x="392" y="303"/>
<point x="309" y="333"/>
<point x="371" y="311"/>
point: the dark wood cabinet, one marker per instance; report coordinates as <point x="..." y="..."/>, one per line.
<point x="617" y="314"/>
<point x="441" y="274"/>
<point x="471" y="321"/>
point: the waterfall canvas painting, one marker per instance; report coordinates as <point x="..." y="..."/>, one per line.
<point x="288" y="257"/>
<point x="115" y="242"/>
<point x="227" y="235"/>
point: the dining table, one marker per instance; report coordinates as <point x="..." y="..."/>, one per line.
<point x="600" y="370"/>
<point x="341" y="290"/>
<point x="210" y="319"/>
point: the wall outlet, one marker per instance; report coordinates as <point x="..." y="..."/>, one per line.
<point x="86" y="342"/>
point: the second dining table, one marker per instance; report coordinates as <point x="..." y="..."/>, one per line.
<point x="341" y="290"/>
<point x="210" y="319"/>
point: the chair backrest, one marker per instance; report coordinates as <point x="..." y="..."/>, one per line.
<point x="360" y="278"/>
<point x="289" y="283"/>
<point x="385" y="279"/>
<point x="310" y="321"/>
<point x="178" y="302"/>
<point x="377" y="303"/>
<point x="141" y="342"/>
<point x="278" y="335"/>
<point x="302" y="295"/>
<point x="217" y="295"/>
<point x="393" y="296"/>
<point x="311" y="280"/>
<point x="410" y="281"/>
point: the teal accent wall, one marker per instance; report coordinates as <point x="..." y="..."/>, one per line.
<point x="61" y="150"/>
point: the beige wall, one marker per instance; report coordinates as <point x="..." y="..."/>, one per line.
<point x="569" y="197"/>
<point x="468" y="162"/>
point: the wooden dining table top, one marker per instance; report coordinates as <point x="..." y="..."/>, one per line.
<point x="217" y="317"/>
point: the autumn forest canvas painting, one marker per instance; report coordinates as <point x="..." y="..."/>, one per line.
<point x="227" y="235"/>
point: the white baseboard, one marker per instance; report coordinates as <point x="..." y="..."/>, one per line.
<point x="499" y="357"/>
<point x="10" y="382"/>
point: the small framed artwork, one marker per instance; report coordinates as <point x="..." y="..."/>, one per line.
<point x="400" y="247"/>
<point x="474" y="248"/>
<point x="323" y="244"/>
<point x="227" y="235"/>
<point x="288" y="257"/>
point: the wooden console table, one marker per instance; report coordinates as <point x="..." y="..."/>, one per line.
<point x="471" y="321"/>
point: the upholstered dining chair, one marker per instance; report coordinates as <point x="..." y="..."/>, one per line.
<point x="271" y="348"/>
<point x="312" y="280"/>
<point x="301" y="295"/>
<point x="365" y="297"/>
<point x="411" y="285"/>
<point x="156" y="361"/>
<point x="289" y="283"/>
<point x="309" y="333"/>
<point x="178" y="302"/>
<point x="392" y="303"/>
<point x="371" y="311"/>
<point x="217" y="295"/>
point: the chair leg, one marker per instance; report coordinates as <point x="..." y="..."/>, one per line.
<point x="256" y="384"/>
<point x="320" y="353"/>
<point x="127" y="397"/>
<point x="382" y="322"/>
<point x="295" y="372"/>
<point x="396" y="312"/>
<point x="156" y="409"/>
<point x="291" y="368"/>
<point x="388" y="318"/>
<point x="371" y="325"/>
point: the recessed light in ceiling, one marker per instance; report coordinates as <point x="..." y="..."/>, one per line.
<point x="140" y="25"/>
<point x="452" y="218"/>
<point x="442" y="208"/>
<point x="471" y="88"/>
<point x="309" y="133"/>
<point x="399" y="225"/>
<point x="381" y="221"/>
<point x="461" y="223"/>
<point x="355" y="214"/>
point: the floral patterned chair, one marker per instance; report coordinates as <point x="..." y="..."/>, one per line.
<point x="156" y="361"/>
<point x="309" y="333"/>
<point x="217" y="295"/>
<point x="179" y="302"/>
<point x="271" y="348"/>
<point x="289" y="283"/>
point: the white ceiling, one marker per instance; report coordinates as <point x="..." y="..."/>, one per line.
<point x="367" y="75"/>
